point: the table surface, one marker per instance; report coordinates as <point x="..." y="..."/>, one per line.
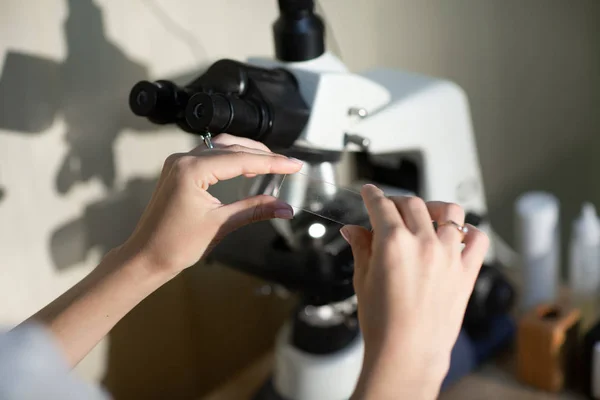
<point x="493" y="381"/>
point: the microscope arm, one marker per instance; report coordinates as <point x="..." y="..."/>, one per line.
<point x="429" y="119"/>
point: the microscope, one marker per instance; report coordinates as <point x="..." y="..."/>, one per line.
<point x="407" y="133"/>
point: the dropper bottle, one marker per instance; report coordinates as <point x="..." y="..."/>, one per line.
<point x="584" y="256"/>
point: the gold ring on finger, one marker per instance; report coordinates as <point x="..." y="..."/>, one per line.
<point x="461" y="228"/>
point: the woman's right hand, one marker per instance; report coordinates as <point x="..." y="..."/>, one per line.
<point x="413" y="285"/>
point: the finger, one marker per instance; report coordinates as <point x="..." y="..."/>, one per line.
<point x="229" y="165"/>
<point x="225" y="139"/>
<point x="383" y="214"/>
<point x="415" y="214"/>
<point x="359" y="240"/>
<point x="252" y="209"/>
<point x="477" y="244"/>
<point x="442" y="212"/>
<point x="234" y="148"/>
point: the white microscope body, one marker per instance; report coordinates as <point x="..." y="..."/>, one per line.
<point x="389" y="111"/>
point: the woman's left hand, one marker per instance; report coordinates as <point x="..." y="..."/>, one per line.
<point x="183" y="221"/>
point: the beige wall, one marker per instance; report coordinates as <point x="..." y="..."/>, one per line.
<point x="531" y="69"/>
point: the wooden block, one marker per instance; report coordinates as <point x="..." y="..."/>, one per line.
<point x="547" y="346"/>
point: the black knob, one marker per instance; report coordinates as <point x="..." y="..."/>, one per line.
<point x="492" y="295"/>
<point x="474" y="219"/>
<point x="162" y="102"/>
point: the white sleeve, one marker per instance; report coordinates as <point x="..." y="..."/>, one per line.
<point x="33" y="368"/>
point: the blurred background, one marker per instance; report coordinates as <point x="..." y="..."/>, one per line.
<point x="76" y="168"/>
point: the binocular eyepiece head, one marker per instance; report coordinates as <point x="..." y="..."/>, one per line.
<point x="162" y="102"/>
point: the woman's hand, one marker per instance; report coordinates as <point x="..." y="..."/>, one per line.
<point x="183" y="221"/>
<point x="413" y="285"/>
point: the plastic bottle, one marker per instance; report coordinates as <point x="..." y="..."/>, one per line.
<point x="538" y="243"/>
<point x="584" y="255"/>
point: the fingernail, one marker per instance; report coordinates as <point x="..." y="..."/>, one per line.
<point x="370" y="190"/>
<point x="345" y="232"/>
<point x="296" y="160"/>
<point x="283" y="214"/>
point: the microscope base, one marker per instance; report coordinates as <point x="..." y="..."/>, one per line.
<point x="299" y="375"/>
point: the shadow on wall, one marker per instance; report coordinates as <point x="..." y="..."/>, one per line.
<point x="103" y="225"/>
<point x="89" y="89"/>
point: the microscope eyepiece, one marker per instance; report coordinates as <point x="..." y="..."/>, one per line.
<point x="143" y="98"/>
<point x="218" y="113"/>
<point x="161" y="101"/>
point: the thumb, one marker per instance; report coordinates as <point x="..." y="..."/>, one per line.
<point x="252" y="209"/>
<point x="359" y="239"/>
